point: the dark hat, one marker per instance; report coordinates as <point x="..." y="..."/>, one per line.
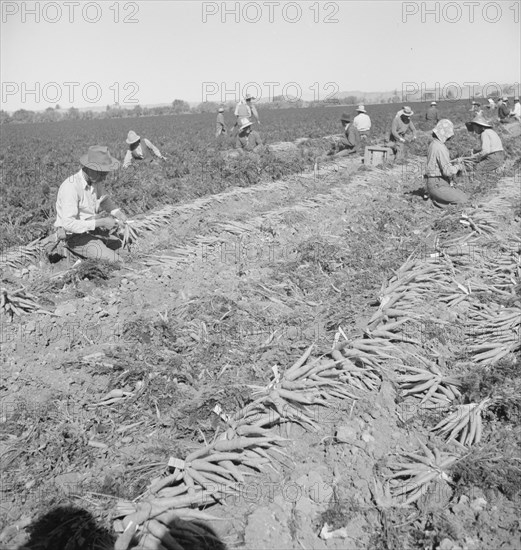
<point x="345" y="118"/>
<point x="98" y="158"/>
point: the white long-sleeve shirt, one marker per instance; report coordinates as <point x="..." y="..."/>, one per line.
<point x="137" y="153"/>
<point x="362" y="122"/>
<point x="516" y="111"/>
<point x="77" y="201"/>
<point x="490" y="142"/>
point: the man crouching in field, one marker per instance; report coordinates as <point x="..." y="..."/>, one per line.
<point x="81" y="208"/>
<point x="248" y="140"/>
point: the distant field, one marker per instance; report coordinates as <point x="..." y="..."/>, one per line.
<point x="36" y="158"/>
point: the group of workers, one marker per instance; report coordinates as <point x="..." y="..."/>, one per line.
<point x="504" y="113"/>
<point x="86" y="215"/>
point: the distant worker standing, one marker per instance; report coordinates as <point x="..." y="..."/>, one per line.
<point x="432" y="114"/>
<point x="402" y="130"/>
<point x="439" y="172"/>
<point x="362" y="122"/>
<point x="220" y="128"/>
<point x="491" y="155"/>
<point x="140" y="149"/>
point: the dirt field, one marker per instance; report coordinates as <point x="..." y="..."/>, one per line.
<point x="209" y="304"/>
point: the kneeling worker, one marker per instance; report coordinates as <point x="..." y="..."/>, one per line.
<point x="248" y="139"/>
<point x="79" y="206"/>
<point x="439" y="171"/>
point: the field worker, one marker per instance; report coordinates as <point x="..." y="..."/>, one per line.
<point x="140" y="149"/>
<point x="362" y="122"/>
<point x="439" y="172"/>
<point x="432" y="114"/>
<point x="402" y="130"/>
<point x="81" y="204"/>
<point x="476" y="108"/>
<point x="503" y="111"/>
<point x="491" y="155"/>
<point x="248" y="139"/>
<point x="491" y="104"/>
<point x="351" y="138"/>
<point x="220" y="127"/>
<point x="246" y="110"/>
<point x="516" y="111"/>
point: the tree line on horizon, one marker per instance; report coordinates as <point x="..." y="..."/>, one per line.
<point x="177" y="107"/>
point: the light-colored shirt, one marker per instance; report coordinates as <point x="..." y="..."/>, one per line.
<point x="438" y="161"/>
<point x="490" y="142"/>
<point x="77" y="201"/>
<point x="516" y="111"/>
<point x="243" y="110"/>
<point x="362" y="122"/>
<point x="399" y="128"/>
<point x="137" y="153"/>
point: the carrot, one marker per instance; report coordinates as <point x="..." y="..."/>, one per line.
<point x="204" y="466"/>
<point x="161" y="532"/>
<point x="301" y="361"/>
<point x="172" y="491"/>
<point x="164" y="482"/>
<point x="186" y="513"/>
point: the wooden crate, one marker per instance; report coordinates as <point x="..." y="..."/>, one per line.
<point x="375" y="155"/>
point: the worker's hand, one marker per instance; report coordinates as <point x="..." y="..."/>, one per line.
<point x="121" y="216"/>
<point x="106" y="223"/>
<point x="402" y="140"/>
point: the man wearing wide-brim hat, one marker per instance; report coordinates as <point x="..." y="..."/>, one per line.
<point x="402" y="130"/>
<point x="491" y="155"/>
<point x="140" y="149"/>
<point x="248" y="139"/>
<point x="85" y="213"/>
<point x="362" y="122"/>
<point x="432" y="115"/>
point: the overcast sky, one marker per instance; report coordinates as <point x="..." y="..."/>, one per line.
<point x="156" y="51"/>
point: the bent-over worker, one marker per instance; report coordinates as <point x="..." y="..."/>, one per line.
<point x="140" y="149"/>
<point x="402" y="130"/>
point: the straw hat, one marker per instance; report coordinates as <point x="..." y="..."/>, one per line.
<point x="433" y="103"/>
<point x="132" y="137"/>
<point x="361" y="109"/>
<point x="505" y="98"/>
<point x="221" y="109"/>
<point x="98" y="158"/>
<point x="248" y="97"/>
<point x="407" y="111"/>
<point x="480" y="121"/>
<point x="245" y="122"/>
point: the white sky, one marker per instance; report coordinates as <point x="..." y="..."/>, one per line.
<point x="169" y="52"/>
